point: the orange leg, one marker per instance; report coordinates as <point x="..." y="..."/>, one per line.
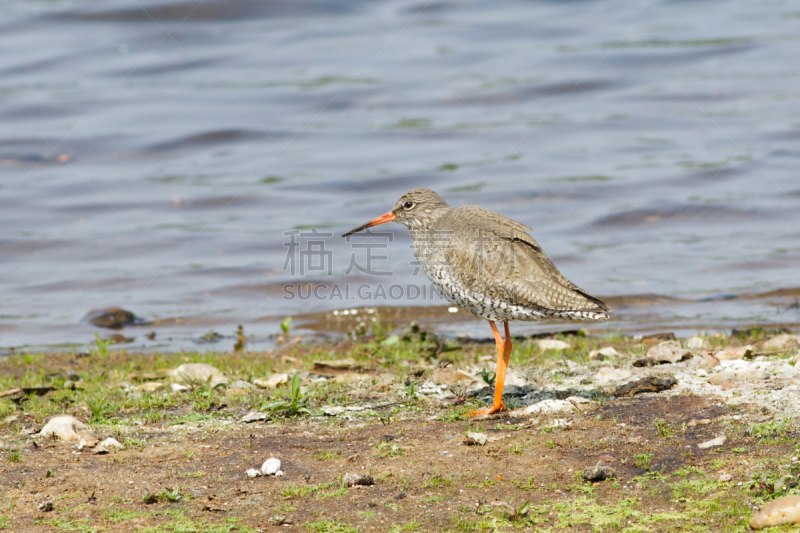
<point x="503" y="355"/>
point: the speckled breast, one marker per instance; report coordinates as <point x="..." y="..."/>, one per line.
<point x="475" y="302"/>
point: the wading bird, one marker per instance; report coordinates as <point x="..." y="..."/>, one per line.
<point x="488" y="265"/>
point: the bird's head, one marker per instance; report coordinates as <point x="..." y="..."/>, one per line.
<point x="416" y="209"/>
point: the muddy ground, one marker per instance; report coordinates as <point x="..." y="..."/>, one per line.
<point x="397" y="410"/>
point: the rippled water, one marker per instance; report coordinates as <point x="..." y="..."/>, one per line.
<point x="155" y="153"/>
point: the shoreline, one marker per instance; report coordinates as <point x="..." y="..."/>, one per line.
<point x="394" y="406"/>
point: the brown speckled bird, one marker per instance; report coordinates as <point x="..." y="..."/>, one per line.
<point x="488" y="265"/>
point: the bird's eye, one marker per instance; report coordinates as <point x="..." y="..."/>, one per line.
<point x="408" y="205"/>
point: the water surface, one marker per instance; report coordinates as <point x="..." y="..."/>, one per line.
<point x="154" y="154"/>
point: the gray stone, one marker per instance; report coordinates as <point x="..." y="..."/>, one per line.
<point x="599" y="472"/>
<point x="646" y="384"/>
<point x="46" y="506"/>
<point x="351" y="479"/>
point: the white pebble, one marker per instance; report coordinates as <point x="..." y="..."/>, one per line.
<point x="719" y="441"/>
<point x="271" y="466"/>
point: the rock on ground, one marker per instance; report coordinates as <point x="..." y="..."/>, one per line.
<point x="546" y="407"/>
<point x="719" y="441"/>
<point x="552" y="344"/>
<point x="666" y="352"/>
<point x="334" y="368"/>
<point x="254" y="416"/>
<point x="352" y="478"/>
<point x="784" y="510"/>
<point x="783" y="342"/>
<point x="742" y="352"/>
<point x="708" y="361"/>
<point x="608" y="374"/>
<point x="475" y="439"/>
<point x="150" y="386"/>
<point x="271" y="466"/>
<point x="107" y="445"/>
<point x="201" y="372"/>
<point x="599" y="472"/>
<point x="112" y="317"/>
<point x="46" y="506"/>
<point x="87" y="440"/>
<point x="272" y="382"/>
<point x="648" y="384"/>
<point x="64" y="427"/>
<point x="696" y="343"/>
<point x="602" y="353"/>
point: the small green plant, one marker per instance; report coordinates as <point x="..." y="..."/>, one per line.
<point x="410" y="389"/>
<point x="389" y="450"/>
<point x="409" y="526"/>
<point x="530" y="484"/>
<point x="296" y="405"/>
<point x="664" y="429"/>
<point x="100" y="408"/>
<point x="325" y="455"/>
<point x="437" y="481"/>
<point x="101" y="345"/>
<point x="642" y="460"/>
<point x="391" y="340"/>
<point x="488" y="377"/>
<point x="167" y="495"/>
<point x="171" y="495"/>
<point x="14" y="457"/>
<point x="771" y="428"/>
<point x="286" y="324"/>
<point x="519" y="512"/>
<point x="516" y="449"/>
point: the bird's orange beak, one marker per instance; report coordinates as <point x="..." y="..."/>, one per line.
<point x="388" y="217"/>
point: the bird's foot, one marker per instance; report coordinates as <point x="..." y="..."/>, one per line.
<point x="495" y="408"/>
